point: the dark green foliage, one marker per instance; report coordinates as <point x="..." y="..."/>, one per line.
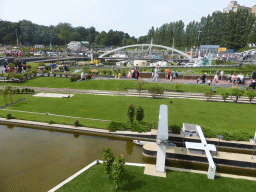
<point x="130" y="113"/>
<point x="140" y="114"/>
<point x="22" y="91"/>
<point x="208" y="94"/>
<point x="9" y="116"/>
<point x="51" y="121"/>
<point x="60" y="75"/>
<point x="76" y="123"/>
<point x="54" y="74"/>
<point x="136" y="127"/>
<point x="113" y="126"/>
<point x="175" y="128"/>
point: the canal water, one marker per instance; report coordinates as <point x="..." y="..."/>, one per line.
<point x="33" y="159"/>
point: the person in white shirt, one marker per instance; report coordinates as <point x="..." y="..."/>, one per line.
<point x="83" y="76"/>
<point x="222" y="74"/>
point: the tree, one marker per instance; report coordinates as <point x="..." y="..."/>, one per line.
<point x="5" y="93"/>
<point x="118" y="169"/>
<point x="139" y="85"/>
<point x="250" y="95"/>
<point x="108" y="159"/>
<point x="130" y="113"/>
<point x="140" y="114"/>
<point x="224" y="96"/>
<point x="64" y="31"/>
<point x="237" y="93"/>
<point x="208" y="94"/>
<point x="9" y="91"/>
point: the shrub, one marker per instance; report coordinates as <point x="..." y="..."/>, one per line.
<point x="17" y="91"/>
<point x="51" y="121"/>
<point x="118" y="169"/>
<point x="123" y="73"/>
<point x="9" y="116"/>
<point x="156" y="90"/>
<point x="66" y="75"/>
<point x="177" y="86"/>
<point x="208" y="94"/>
<point x="139" y="85"/>
<point x="175" y="128"/>
<point x="32" y="91"/>
<point x="250" y="95"/>
<point x="60" y="75"/>
<point x="22" y="91"/>
<point x="139" y="127"/>
<point x="29" y="90"/>
<point x="76" y="123"/>
<point x="35" y="72"/>
<point x="74" y="78"/>
<point x="47" y="68"/>
<point x="54" y="74"/>
<point x="48" y="74"/>
<point x="224" y="96"/>
<point x="140" y="114"/>
<point x="130" y="113"/>
<point x="26" y="90"/>
<point x="113" y="126"/>
<point x="108" y="159"/>
<point x="237" y="93"/>
<point x="104" y="72"/>
<point x="109" y="72"/>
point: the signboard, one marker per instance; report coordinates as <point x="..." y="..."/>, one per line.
<point x="222" y="49"/>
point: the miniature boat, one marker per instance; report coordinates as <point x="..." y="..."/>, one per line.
<point x="138" y="142"/>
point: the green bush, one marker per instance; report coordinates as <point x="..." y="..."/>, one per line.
<point x="237" y="93"/>
<point x="48" y="74"/>
<point x="208" y="94"/>
<point x="17" y="91"/>
<point x="140" y="114"/>
<point x="139" y="127"/>
<point x="60" y="75"/>
<point x="76" y="123"/>
<point x="113" y="126"/>
<point x="22" y="91"/>
<point x="224" y="96"/>
<point x="54" y="74"/>
<point x="9" y="116"/>
<point x="74" y="78"/>
<point x="130" y="112"/>
<point x="156" y="90"/>
<point x="66" y="75"/>
<point x="47" y="68"/>
<point x="175" y="128"/>
<point x="51" y="122"/>
<point x="104" y="72"/>
<point x="26" y="90"/>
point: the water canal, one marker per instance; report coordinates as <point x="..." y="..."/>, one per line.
<point x="35" y="159"/>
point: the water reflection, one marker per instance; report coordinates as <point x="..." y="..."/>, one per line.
<point x="129" y="147"/>
<point x="37" y="159"/>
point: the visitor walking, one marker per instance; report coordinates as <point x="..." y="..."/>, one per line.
<point x="166" y="73"/>
<point x="174" y="74"/>
<point x="221" y="75"/>
<point x="204" y="78"/>
<point x="155" y="74"/>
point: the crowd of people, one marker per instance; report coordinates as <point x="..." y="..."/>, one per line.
<point x="20" y="66"/>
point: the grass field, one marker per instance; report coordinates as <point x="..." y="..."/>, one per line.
<point x="94" y="179"/>
<point x="216" y="116"/>
<point x="113" y="85"/>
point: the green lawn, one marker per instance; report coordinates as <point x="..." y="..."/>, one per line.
<point x="111" y="84"/>
<point x="94" y="179"/>
<point x="216" y="116"/>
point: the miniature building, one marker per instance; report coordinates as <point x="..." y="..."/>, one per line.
<point x="141" y="63"/>
<point x="39" y="46"/>
<point x="190" y="129"/>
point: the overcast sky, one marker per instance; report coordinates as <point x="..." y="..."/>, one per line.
<point x="134" y="17"/>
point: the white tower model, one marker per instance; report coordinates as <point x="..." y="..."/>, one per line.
<point x="162" y="138"/>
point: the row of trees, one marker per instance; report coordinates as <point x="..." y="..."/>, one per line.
<point x="233" y="30"/>
<point x="29" y="34"/>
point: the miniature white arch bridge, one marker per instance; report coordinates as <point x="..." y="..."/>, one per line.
<point x="149" y="45"/>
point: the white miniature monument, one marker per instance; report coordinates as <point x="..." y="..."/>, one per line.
<point x="162" y="139"/>
<point x="205" y="147"/>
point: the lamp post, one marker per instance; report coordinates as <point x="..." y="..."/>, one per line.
<point x="50" y="41"/>
<point x="219" y="137"/>
<point x="17" y="37"/>
<point x="254" y="139"/>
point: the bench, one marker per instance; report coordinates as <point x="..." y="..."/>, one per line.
<point x="213" y="90"/>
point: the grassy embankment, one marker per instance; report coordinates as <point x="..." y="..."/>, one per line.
<point x="220" y="118"/>
<point x="94" y="179"/>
